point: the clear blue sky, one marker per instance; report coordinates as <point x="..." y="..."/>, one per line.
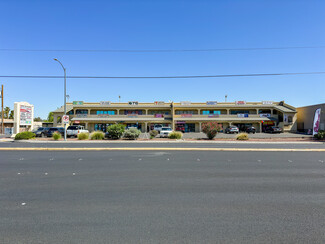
<point x="162" y="24"/>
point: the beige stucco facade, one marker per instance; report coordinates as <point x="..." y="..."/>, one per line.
<point x="305" y="117"/>
<point x="185" y="116"/>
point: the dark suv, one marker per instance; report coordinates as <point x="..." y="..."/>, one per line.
<point x="273" y="129"/>
<point x="41" y="131"/>
<point x="55" y="129"/>
<point x="250" y="129"/>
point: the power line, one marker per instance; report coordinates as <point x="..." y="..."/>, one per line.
<point x="159" y="77"/>
<point x="157" y="50"/>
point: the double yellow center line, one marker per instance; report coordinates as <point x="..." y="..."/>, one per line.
<point x="162" y="149"/>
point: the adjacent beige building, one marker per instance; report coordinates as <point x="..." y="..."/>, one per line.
<point x="305" y="117"/>
<point x="182" y="116"/>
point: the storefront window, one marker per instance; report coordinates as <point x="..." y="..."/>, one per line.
<point x="239" y="112"/>
<point x="81" y="111"/>
<point x="184" y="112"/>
<point x="132" y="112"/>
<point x="207" y="112"/>
<point x="105" y="112"/>
<point x="101" y="127"/>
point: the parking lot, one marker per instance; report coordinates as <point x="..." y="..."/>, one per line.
<point x="256" y="135"/>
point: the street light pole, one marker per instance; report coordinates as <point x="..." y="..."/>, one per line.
<point x="65" y="97"/>
<point x="2" y="119"/>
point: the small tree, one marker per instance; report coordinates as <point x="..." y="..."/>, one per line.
<point x="6" y="112"/>
<point x="38" y="119"/>
<point x="211" y="129"/>
<point x="115" y="131"/>
<point x="50" y="117"/>
<point x="11" y="115"/>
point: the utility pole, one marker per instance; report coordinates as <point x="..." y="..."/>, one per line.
<point x="2" y="115"/>
<point x="65" y="96"/>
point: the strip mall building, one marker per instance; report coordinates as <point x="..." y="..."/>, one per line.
<point x="182" y="116"/>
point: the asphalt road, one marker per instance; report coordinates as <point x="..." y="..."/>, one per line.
<point x="108" y="144"/>
<point x="162" y="197"/>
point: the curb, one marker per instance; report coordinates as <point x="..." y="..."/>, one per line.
<point x="170" y="142"/>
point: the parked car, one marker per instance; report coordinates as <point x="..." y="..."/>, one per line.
<point x="232" y="129"/>
<point x="250" y="129"/>
<point x="273" y="129"/>
<point x="55" y="129"/>
<point x="157" y="128"/>
<point x="74" y="130"/>
<point x="165" y="131"/>
<point x="41" y="131"/>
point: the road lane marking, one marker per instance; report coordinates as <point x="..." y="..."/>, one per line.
<point x="163" y="149"/>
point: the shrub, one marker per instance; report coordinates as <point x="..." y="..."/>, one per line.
<point x="153" y="133"/>
<point x="26" y="135"/>
<point x="83" y="136"/>
<point x="97" y="135"/>
<point x="115" y="131"/>
<point x="132" y="133"/>
<point x="175" y="135"/>
<point x="57" y="135"/>
<point x="320" y="135"/>
<point x="211" y="129"/>
<point x="242" y="137"/>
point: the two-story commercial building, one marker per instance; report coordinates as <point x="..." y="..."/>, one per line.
<point x="182" y="116"/>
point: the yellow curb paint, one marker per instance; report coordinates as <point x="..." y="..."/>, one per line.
<point x="163" y="149"/>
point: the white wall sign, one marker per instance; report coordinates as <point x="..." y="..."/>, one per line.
<point x="267" y="102"/>
<point x="265" y="115"/>
<point x="133" y="103"/>
<point x="185" y="103"/>
<point x="105" y="103"/>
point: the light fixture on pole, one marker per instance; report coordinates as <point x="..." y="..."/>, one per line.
<point x="65" y="96"/>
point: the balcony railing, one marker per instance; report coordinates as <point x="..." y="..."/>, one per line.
<point x="97" y="116"/>
<point x="225" y="116"/>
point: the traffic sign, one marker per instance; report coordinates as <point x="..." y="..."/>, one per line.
<point x="65" y="119"/>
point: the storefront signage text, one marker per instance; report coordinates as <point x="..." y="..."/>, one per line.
<point x="78" y="103"/>
<point x="159" y="115"/>
<point x="265" y="115"/>
<point x="267" y="102"/>
<point x="25" y="115"/>
<point x="133" y="103"/>
<point x="159" y="103"/>
<point x="186" y="115"/>
<point x="105" y="103"/>
<point x="212" y="102"/>
<point x="186" y="103"/>
<point x="240" y="102"/>
<point x="242" y="115"/>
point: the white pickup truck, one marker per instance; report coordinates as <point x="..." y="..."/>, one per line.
<point x="74" y="130"/>
<point x="165" y="131"/>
